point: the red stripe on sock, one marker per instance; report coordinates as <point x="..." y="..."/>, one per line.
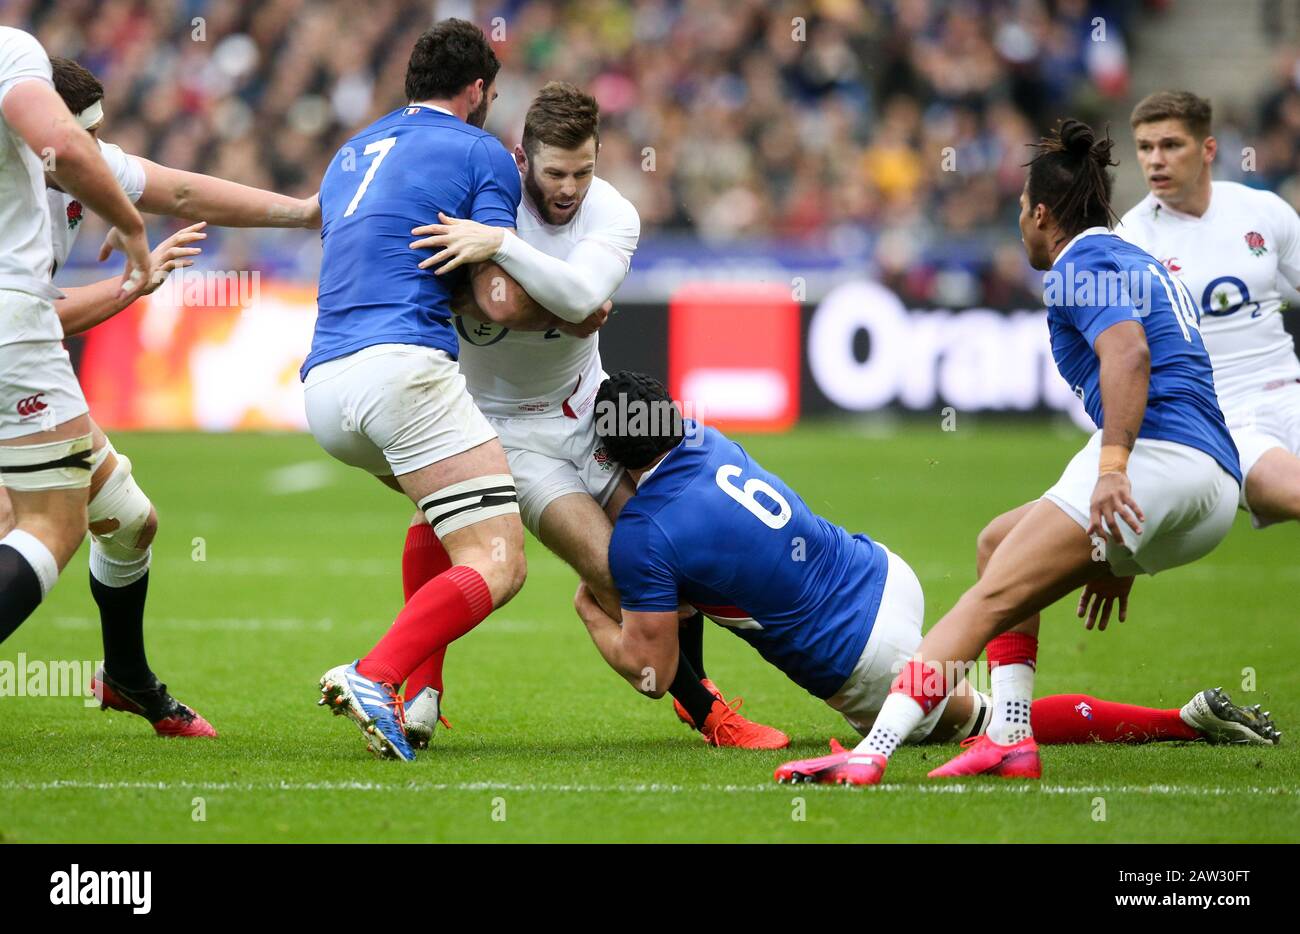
<point x="1078" y="718"/>
<point x="922" y="683"/>
<point x="1012" y="648"/>
<point x="439" y="613"/>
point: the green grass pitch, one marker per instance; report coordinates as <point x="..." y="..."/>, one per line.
<point x="300" y="572"/>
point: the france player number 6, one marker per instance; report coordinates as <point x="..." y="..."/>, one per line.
<point x="380" y="146"/>
<point x="746" y="496"/>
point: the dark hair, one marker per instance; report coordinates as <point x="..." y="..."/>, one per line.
<point x="636" y="419"/>
<point x="561" y="115"/>
<point x="75" y="84"/>
<point x="1194" y="112"/>
<point x="1068" y="174"/>
<point x="451" y="55"/>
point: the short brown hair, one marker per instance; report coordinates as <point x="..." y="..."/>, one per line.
<point x="563" y="116"/>
<point x="447" y="58"/>
<point x="75" y="84"/>
<point x="1194" y="112"/>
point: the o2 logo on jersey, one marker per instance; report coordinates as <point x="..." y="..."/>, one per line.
<point x="1217" y="300"/>
<point x="747" y="496"/>
<point x="479" y="333"/>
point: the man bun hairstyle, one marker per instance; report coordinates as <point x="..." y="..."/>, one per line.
<point x="75" y="83"/>
<point x="562" y="116"/>
<point x="1069" y="173"/>
<point x="449" y="56"/>
<point x="1195" y="113"/>
<point x="636" y="419"/>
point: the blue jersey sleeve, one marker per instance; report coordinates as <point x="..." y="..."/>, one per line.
<point x="1112" y="301"/>
<point x="495" y="199"/>
<point x="641" y="562"/>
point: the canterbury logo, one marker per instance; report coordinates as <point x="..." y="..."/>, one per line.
<point x="31" y="405"/>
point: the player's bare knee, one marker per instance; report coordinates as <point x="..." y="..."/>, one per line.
<point x="987" y="542"/>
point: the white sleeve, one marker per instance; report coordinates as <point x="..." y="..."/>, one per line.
<point x="21" y="59"/>
<point x="126" y="169"/>
<point x="1130" y="227"/>
<point x="1287" y="225"/>
<point x="568" y="288"/>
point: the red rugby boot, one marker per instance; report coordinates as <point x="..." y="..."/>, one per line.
<point x="725" y="727"/>
<point x="841" y="767"/>
<point x="982" y="756"/>
<point x="168" y="715"/>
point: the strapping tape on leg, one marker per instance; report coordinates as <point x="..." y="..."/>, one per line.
<point x="462" y="504"/>
<point x="55" y="465"/>
<point x="117" y="559"/>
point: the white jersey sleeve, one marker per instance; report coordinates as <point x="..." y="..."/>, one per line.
<point x="21" y="59"/>
<point x="25" y="257"/>
<point x="1286" y="223"/>
<point x="514" y="374"/>
<point x="573" y="287"/>
<point x="126" y="169"/>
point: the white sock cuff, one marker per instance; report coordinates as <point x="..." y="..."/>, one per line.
<point x="1018" y="680"/>
<point x="112" y="572"/>
<point x="40" y="558"/>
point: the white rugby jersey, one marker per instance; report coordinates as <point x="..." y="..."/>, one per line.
<point x="1230" y="259"/>
<point x="25" y="257"/>
<point x="66" y="212"/>
<point x="547" y="373"/>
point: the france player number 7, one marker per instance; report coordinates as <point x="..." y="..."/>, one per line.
<point x="746" y="496"/>
<point x="380" y="146"/>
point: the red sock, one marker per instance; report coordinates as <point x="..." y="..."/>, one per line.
<point x="922" y="683"/>
<point x="1078" y="718"/>
<point x="1012" y="648"/>
<point x="423" y="559"/>
<point x="438" y="614"/>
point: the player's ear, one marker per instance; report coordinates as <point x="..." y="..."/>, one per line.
<point x="521" y="158"/>
<point x="1209" y="148"/>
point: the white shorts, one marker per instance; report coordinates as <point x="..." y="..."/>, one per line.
<point x="391" y="409"/>
<point x="894" y="639"/>
<point x="38" y="388"/>
<point x="1188" y="499"/>
<point x="1260" y="421"/>
<point x="551" y="457"/>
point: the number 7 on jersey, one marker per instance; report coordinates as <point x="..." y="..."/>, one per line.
<point x="380" y="146"/>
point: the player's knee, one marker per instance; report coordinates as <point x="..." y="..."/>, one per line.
<point x="6" y="512"/>
<point x="986" y="543"/>
<point x="504" y="572"/>
<point x="122" y="520"/>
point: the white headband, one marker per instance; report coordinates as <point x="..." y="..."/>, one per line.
<point x="91" y="115"/>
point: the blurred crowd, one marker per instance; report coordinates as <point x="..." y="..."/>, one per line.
<point x="724" y="118"/>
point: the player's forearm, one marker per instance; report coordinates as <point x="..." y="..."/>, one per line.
<point x="86" y="306"/>
<point x="1125" y="376"/>
<point x="192" y="196"/>
<point x="611" y="643"/>
<point x="496" y="297"/>
<point x="569" y="290"/>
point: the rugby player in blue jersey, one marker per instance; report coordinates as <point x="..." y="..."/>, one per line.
<point x="840" y="615"/>
<point x="1154" y="488"/>
<point x="382" y="388"/>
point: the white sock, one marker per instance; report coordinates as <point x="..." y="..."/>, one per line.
<point x="37" y="555"/>
<point x="898" y="717"/>
<point x="1013" y="695"/>
<point x="117" y="572"/>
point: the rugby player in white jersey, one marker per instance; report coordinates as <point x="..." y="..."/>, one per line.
<point x="1230" y="245"/>
<point x="122" y="520"/>
<point x="45" y="437"/>
<point x="571" y="250"/>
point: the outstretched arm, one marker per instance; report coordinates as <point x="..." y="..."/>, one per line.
<point x="84" y="307"/>
<point x="191" y="196"/>
<point x="644" y="650"/>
